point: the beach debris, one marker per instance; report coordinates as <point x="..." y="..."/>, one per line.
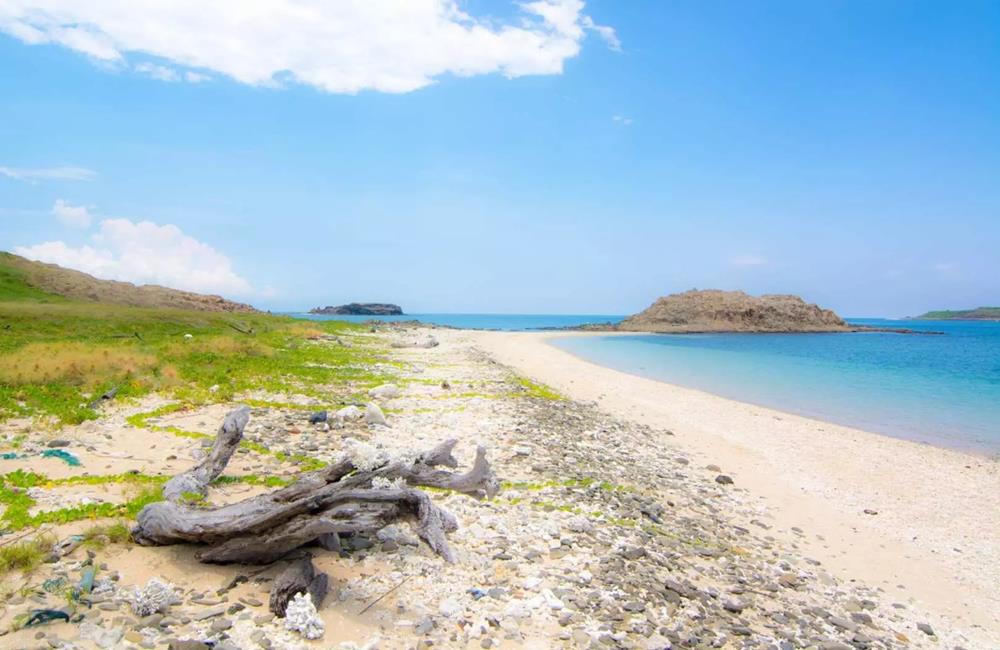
<point x="869" y="511"/>
<point x="445" y="384"/>
<point x="723" y="479"/>
<point x="86" y="584"/>
<point x="374" y="414"/>
<point x="62" y="455"/>
<point x="106" y="396"/>
<point x="155" y="598"/>
<point x="58" y="442"/>
<point x="301" y="617"/>
<point x="54" y="585"/>
<point x="317" y="417"/>
<point x="42" y="616"/>
<point x="299" y="577"/>
<point x="385" y="391"/>
<point x="68" y="545"/>
<point x="336" y="499"/>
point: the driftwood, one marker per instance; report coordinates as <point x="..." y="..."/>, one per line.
<point x="195" y="481"/>
<point x="317" y="508"/>
<point x="299" y="577"/>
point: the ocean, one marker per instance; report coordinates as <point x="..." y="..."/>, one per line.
<point x="506" y="322"/>
<point x="942" y="390"/>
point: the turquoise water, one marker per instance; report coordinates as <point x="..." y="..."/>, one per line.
<point x="943" y="390"/>
<point x="482" y="321"/>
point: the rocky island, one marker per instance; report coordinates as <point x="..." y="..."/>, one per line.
<point x="361" y="309"/>
<point x="733" y="311"/>
<point x="979" y="313"/>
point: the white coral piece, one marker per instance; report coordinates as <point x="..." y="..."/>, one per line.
<point x="365" y="456"/>
<point x="155" y="597"/>
<point x="382" y="483"/>
<point x="301" y="617"/>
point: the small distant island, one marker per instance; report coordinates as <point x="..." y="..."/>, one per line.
<point x="733" y="311"/>
<point x="979" y="313"/>
<point x="360" y="309"/>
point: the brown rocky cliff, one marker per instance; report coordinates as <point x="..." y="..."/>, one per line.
<point x="733" y="311"/>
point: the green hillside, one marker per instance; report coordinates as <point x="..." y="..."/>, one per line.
<point x="980" y="313"/>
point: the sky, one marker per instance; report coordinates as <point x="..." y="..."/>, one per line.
<point x="551" y="156"/>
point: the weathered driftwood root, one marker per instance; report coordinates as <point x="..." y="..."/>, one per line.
<point x="299" y="577"/>
<point x="341" y="498"/>
<point x="195" y="481"/>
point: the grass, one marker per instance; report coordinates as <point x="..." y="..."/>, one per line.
<point x="143" y="490"/>
<point x="25" y="556"/>
<point x="55" y="357"/>
<point x="529" y="388"/>
<point x="99" y="536"/>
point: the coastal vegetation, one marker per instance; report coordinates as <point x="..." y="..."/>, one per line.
<point x="59" y="357"/>
<point x="979" y="313"/>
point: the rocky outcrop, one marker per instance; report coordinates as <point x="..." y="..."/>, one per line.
<point x="76" y="285"/>
<point x="733" y="311"/>
<point x="361" y="309"/>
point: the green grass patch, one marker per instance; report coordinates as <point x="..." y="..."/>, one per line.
<point x="55" y="357"/>
<point x="529" y="388"/>
<point x="25" y="556"/>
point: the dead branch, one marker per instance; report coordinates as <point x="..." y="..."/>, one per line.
<point x="320" y="506"/>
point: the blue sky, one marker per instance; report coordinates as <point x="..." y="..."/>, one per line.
<point x="845" y="151"/>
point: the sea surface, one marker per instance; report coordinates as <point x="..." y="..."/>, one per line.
<point x="943" y="390"/>
<point x="506" y="322"/>
<point x="939" y="389"/>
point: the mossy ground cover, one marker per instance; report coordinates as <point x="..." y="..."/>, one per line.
<point x="56" y="357"/>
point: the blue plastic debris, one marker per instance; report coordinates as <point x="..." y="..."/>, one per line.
<point x="62" y="454"/>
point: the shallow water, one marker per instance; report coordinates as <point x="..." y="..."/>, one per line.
<point x="943" y="390"/>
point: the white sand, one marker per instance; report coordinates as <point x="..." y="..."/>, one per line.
<point x="935" y="542"/>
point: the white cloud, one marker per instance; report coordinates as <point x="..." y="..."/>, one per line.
<point x="621" y="119"/>
<point x="48" y="174"/>
<point x="945" y="267"/>
<point x="339" y="47"/>
<point x="145" y="253"/>
<point x="72" y="215"/>
<point x="748" y="260"/>
<point x="158" y="72"/>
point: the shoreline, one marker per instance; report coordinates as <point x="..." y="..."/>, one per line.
<point x="989" y="454"/>
<point x="919" y="547"/>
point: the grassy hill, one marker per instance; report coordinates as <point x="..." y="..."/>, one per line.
<point x="980" y="313"/>
<point x="24" y="279"/>
<point x="57" y="354"/>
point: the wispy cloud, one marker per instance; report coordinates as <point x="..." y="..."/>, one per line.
<point x="156" y="71"/>
<point x="48" y="174"/>
<point x="748" y="260"/>
<point x="72" y="215"/>
<point x="621" y="119"/>
<point x="390" y="46"/>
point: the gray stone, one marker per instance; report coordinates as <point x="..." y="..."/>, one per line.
<point x="925" y="628"/>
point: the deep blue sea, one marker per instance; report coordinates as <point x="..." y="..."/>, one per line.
<point x="943" y="390"/>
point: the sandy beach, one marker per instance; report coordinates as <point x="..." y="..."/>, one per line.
<point x="613" y="526"/>
<point x="935" y="540"/>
